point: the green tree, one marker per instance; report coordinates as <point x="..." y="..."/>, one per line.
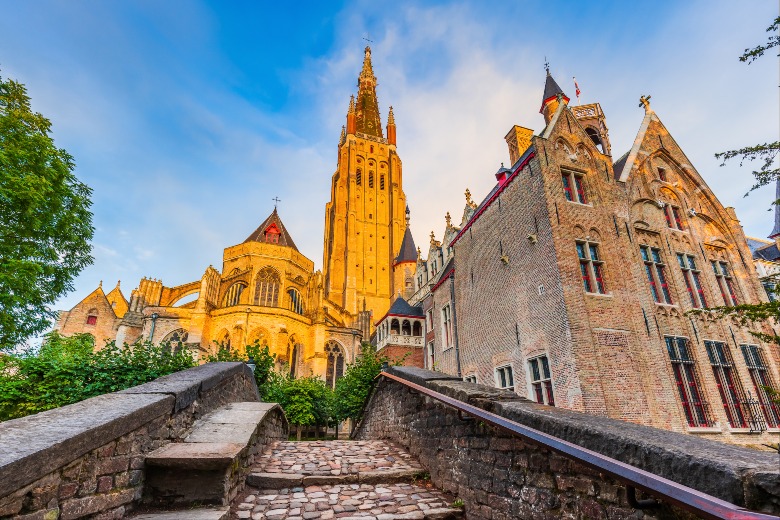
<point x="264" y="360"/>
<point x="45" y="220"/>
<point x="306" y="401"/>
<point x="353" y="389"/>
<point x="65" y="370"/>
<point x="765" y="153"/>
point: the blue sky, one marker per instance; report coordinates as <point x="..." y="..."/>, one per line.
<point x="188" y="117"/>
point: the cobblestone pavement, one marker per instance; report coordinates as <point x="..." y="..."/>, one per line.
<point x="348" y="501"/>
<point x="333" y="458"/>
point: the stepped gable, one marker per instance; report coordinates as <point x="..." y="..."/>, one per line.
<point x="272" y="231"/>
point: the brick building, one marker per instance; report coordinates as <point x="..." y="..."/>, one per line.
<point x="576" y="273"/>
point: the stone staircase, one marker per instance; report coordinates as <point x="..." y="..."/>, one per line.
<point x="349" y="480"/>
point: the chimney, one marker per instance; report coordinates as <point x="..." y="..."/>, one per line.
<point x="518" y="139"/>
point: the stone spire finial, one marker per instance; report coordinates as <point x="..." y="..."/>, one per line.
<point x="343" y="134"/>
<point x="351" y="109"/>
<point x="469" y="202"/>
<point x="433" y="238"/>
<point x="390" y="117"/>
<point x="100" y="285"/>
<point x="118" y="282"/>
<point x="448" y="219"/>
<point x="419" y="253"/>
<point x="644" y="101"/>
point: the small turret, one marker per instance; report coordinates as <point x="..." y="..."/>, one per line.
<point x="351" y="115"/>
<point x="391" y="127"/>
<point x="553" y="97"/>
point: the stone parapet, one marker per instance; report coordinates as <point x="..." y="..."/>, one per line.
<point x="502" y="476"/>
<point x="87" y="458"/>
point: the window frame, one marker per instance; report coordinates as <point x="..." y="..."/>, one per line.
<point x="725" y="281"/>
<point x="471" y="378"/>
<point x="591" y="270"/>
<point x="574" y="188"/>
<point x="656" y="274"/>
<point x="727" y="381"/>
<point x="446" y="324"/>
<point x="688" y="382"/>
<point x="692" y="276"/>
<point x="761" y="378"/>
<point x="501" y="373"/>
<point x="540" y="377"/>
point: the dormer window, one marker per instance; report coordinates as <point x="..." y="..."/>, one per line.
<point x="272" y="234"/>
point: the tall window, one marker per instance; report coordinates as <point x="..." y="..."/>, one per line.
<point x="541" y="381"/>
<point x="335" y="367"/>
<point x="591" y="268"/>
<point x="267" y="288"/>
<point x="296" y="302"/>
<point x="728" y="383"/>
<point x="233" y="295"/>
<point x="370" y="179"/>
<point x="673" y="217"/>
<point x="687" y="381"/>
<point x="504" y="378"/>
<point x="382" y="181"/>
<point x="656" y="274"/>
<point x="761" y="382"/>
<point x="294" y="360"/>
<point x="725" y="282"/>
<point x="430" y="320"/>
<point x="692" y="280"/>
<point x="574" y="187"/>
<point x="359" y="177"/>
<point x="431" y="356"/>
<point x="446" y="325"/>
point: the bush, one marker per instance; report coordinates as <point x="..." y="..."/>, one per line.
<point x="264" y="360"/>
<point x="353" y="389"/>
<point x="306" y="401"/>
<point x="65" y="370"/>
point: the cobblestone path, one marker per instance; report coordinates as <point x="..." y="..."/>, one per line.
<point x="366" y="480"/>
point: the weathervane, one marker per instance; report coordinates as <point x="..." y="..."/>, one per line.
<point x="366" y="38"/>
<point x="276" y="200"/>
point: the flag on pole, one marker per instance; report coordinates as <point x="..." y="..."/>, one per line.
<point x="576" y="89"/>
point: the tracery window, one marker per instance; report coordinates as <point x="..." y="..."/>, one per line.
<point x="267" y="288"/>
<point x="591" y="267"/>
<point x="655" y="269"/>
<point x="233" y="295"/>
<point x="692" y="280"/>
<point x="687" y="380"/>
<point x="176" y="339"/>
<point x="296" y="302"/>
<point x="725" y="282"/>
<point x="335" y="367"/>
<point x="295" y="353"/>
<point x="730" y="390"/>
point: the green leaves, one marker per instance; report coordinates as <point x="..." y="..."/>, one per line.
<point x="353" y="389"/>
<point x="750" y="55"/>
<point x="66" y="370"/>
<point x="45" y="220"/>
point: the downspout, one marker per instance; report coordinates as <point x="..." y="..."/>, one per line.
<point x="154" y="317"/>
<point x="455" y="322"/>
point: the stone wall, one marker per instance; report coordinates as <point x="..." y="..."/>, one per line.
<point x="499" y="476"/>
<point x="86" y="460"/>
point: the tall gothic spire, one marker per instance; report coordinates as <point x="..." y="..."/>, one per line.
<point x="367" y="118"/>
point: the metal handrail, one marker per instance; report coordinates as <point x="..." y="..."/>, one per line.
<point x="707" y="506"/>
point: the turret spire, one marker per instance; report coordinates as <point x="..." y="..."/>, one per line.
<point x="553" y="96"/>
<point x="368" y="120"/>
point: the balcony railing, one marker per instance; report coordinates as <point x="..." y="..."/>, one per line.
<point x="400" y="339"/>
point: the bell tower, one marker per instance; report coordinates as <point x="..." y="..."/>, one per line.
<point x="365" y="218"/>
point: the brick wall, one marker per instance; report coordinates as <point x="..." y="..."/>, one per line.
<point x="503" y="477"/>
<point x="86" y="460"/>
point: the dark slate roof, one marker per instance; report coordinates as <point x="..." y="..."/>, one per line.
<point x="776" y="229"/>
<point x="258" y="235"/>
<point x="408" y="252"/>
<point x="617" y="168"/>
<point x="401" y="307"/>
<point x="551" y="88"/>
<point x="768" y="252"/>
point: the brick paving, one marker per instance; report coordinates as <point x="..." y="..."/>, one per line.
<point x="348" y="501"/>
<point x="334" y="458"/>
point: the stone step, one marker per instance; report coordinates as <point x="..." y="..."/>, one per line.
<point x="285" y="480"/>
<point x="399" y="501"/>
<point x="188" y="514"/>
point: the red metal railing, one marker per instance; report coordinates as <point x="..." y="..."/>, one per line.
<point x="702" y="504"/>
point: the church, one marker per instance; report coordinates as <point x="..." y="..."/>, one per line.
<point x="267" y="291"/>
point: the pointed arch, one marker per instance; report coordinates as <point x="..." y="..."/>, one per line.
<point x="267" y="287"/>
<point x="176" y="340"/>
<point x="335" y="366"/>
<point x="233" y="294"/>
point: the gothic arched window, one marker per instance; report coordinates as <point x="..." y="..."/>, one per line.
<point x="267" y="288"/>
<point x="233" y="295"/>
<point x="296" y="302"/>
<point x="417" y="329"/>
<point x="335" y="368"/>
<point x="294" y="360"/>
<point x="176" y="339"/>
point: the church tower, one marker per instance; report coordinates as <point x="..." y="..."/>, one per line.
<point x="365" y="218"/>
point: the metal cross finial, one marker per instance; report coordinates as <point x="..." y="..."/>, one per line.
<point x="546" y="65"/>
<point x="276" y="200"/>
